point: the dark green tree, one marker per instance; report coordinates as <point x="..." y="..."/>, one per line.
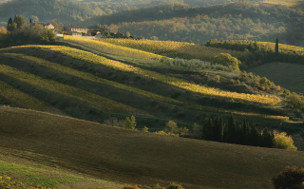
<point x="291" y="177"/>
<point x="11" y="26"/>
<point x="277" y="46"/>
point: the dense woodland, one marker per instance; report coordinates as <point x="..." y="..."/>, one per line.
<point x="72" y="10"/>
<point x="191" y="21"/>
<point x="231" y="21"/>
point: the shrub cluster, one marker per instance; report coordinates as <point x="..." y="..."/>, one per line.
<point x="258" y="82"/>
<point x="261" y="52"/>
<point x="291" y="177"/>
<point x="217" y="129"/>
<point x="227" y="60"/>
<point x="194" y="64"/>
<point x="20" y="31"/>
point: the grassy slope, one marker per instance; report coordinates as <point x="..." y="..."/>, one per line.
<point x="174" y="49"/>
<point x="136" y="157"/>
<point x="287" y="75"/>
<point x="90" y="83"/>
<point x="31" y="170"/>
<point x="88" y="57"/>
<point x="283" y="2"/>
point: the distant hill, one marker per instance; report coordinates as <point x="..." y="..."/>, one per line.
<point x="70" y="11"/>
<point x="254" y="21"/>
<point x="126" y="156"/>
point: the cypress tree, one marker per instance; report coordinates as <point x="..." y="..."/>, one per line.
<point x="231" y="130"/>
<point x="10" y="25"/>
<point x="277" y="46"/>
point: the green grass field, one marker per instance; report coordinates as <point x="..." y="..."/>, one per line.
<point x="28" y="169"/>
<point x="107" y="80"/>
<point x="287" y="75"/>
<point x="126" y="156"/>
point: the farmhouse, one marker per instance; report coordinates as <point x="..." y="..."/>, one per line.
<point x="49" y="26"/>
<point x="77" y="31"/>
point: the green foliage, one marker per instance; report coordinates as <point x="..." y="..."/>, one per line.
<point x="21" y="32"/>
<point x="130" y="187"/>
<point x="145" y="129"/>
<point x="227" y="60"/>
<point x="11" y="26"/>
<point x="3" y="30"/>
<point x="130" y="122"/>
<point x="157" y="186"/>
<point x="283" y="141"/>
<point x="257" y="52"/>
<point x="196" y="130"/>
<point x="175" y="186"/>
<point x="20" y="21"/>
<point x="291" y="177"/>
<point x="183" y="131"/>
<point x="217" y="129"/>
<point x="7" y="182"/>
<point x="171" y="127"/>
<point x="295" y="101"/>
<point x="277" y="46"/>
<point x="233" y="21"/>
<point x="193" y="64"/>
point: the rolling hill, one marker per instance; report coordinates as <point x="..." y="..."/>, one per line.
<point x="29" y="170"/>
<point x="72" y="11"/>
<point x="287" y="75"/>
<point x="95" y="74"/>
<point x="126" y="156"/>
<point x="233" y="21"/>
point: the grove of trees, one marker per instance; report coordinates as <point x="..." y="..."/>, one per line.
<point x="21" y="31"/>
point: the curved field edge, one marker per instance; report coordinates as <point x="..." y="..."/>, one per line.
<point x="31" y="170"/>
<point x="180" y="83"/>
<point x="141" y="158"/>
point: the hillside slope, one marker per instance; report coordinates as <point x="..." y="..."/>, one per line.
<point x="99" y="81"/>
<point x="234" y="21"/>
<point x="287" y="75"/>
<point x="135" y="157"/>
<point x="30" y="170"/>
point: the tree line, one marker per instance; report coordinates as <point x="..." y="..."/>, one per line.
<point x="219" y="129"/>
<point x="21" y="31"/>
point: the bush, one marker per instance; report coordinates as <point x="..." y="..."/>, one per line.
<point x="145" y="129"/>
<point x="171" y="127"/>
<point x="130" y="187"/>
<point x="296" y="101"/>
<point x="175" y="186"/>
<point x="283" y="141"/>
<point x="21" y="32"/>
<point x="3" y="30"/>
<point x="158" y="187"/>
<point x="227" y="60"/>
<point x="291" y="177"/>
<point x="130" y="122"/>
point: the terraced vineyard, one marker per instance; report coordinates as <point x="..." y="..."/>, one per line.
<point x="106" y="81"/>
<point x="173" y="48"/>
<point x="97" y="80"/>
